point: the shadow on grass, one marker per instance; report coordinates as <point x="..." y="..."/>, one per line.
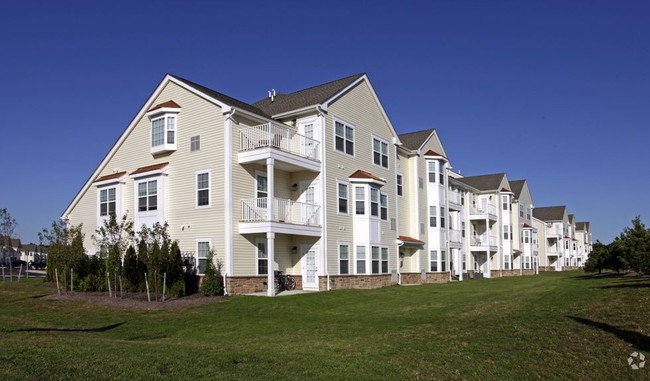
<point x="627" y="285"/>
<point x="606" y="275"/>
<point x="98" y="329"/>
<point x="638" y="340"/>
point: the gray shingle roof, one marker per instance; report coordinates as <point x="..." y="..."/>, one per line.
<point x="484" y="182"/>
<point x="224" y="98"/>
<point x="582" y="225"/>
<point x="550" y="213"/>
<point x="303" y="98"/>
<point x="517" y="186"/>
<point x="415" y="140"/>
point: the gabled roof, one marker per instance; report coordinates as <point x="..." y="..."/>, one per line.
<point x="517" y="186"/>
<point x="433" y="153"/>
<point x="304" y="98"/>
<point x="149" y="168"/>
<point x="222" y="97"/>
<point x="410" y="240"/>
<point x="484" y="182"/>
<point x="112" y="176"/>
<point x="572" y="218"/>
<point x="168" y="104"/>
<point x="550" y="213"/>
<point x="359" y="174"/>
<point x="584" y="225"/>
<point x="415" y="140"/>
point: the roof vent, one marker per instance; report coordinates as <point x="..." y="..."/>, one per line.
<point x="272" y="94"/>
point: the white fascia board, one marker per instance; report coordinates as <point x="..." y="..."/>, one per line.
<point x="299" y="111"/>
<point x="374" y="95"/>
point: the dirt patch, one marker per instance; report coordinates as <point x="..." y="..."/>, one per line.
<point x="136" y="301"/>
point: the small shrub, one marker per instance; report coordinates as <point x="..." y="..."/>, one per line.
<point x="212" y="283"/>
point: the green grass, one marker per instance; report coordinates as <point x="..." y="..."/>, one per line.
<point x="553" y="326"/>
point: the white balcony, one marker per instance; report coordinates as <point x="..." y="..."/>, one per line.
<point x="455" y="201"/>
<point x="483" y="241"/>
<point x="292" y="150"/>
<point x="289" y="217"/>
<point x="482" y="211"/>
<point x="455" y="236"/>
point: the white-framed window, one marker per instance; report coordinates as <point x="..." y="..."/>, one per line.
<point x="374" y="202"/>
<point x="521" y="211"/>
<point x="383" y="206"/>
<point x="195" y="143"/>
<point x="462" y="229"/>
<point x="342" y="189"/>
<point x="202" y="251"/>
<point x="421" y="227"/>
<point x="361" y="259"/>
<point x="384" y="260"/>
<point x="380" y="152"/>
<point x="344" y="258"/>
<point x="433" y="260"/>
<point x="359" y="200"/>
<point x="107" y="201"/>
<point x="506" y="262"/>
<point x="505" y="232"/>
<point x="376" y="260"/>
<point x="433" y="217"/>
<point x="506" y="202"/>
<point x="261" y="184"/>
<point x="420" y="183"/>
<point x="431" y="166"/>
<point x="147" y="195"/>
<point x="442" y="217"/>
<point x="526" y="236"/>
<point x="528" y="210"/>
<point x="400" y="186"/>
<point x="262" y="257"/>
<point x="443" y="260"/>
<point x="393" y="224"/>
<point x="344" y="138"/>
<point x="203" y="189"/>
<point x="441" y="172"/>
<point x="163" y="133"/>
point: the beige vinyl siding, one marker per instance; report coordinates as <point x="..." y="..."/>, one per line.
<point x="197" y="117"/>
<point x="358" y="108"/>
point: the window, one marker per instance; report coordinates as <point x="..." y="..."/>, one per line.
<point x="393" y="224"/>
<point x="462" y="229"/>
<point x="433" y="217"/>
<point x="203" y="189"/>
<point x="521" y="211"/>
<point x="344" y="136"/>
<point x="374" y="202"/>
<point x="375" y="260"/>
<point x="384" y="260"/>
<point x="343" y="198"/>
<point x="383" y="206"/>
<point x="442" y="217"/>
<point x="202" y="251"/>
<point x="380" y="152"/>
<point x="431" y="165"/>
<point x="163" y="132"/>
<point x="421" y="227"/>
<point x="107" y="202"/>
<point x="400" y="186"/>
<point x="433" y="260"/>
<point x="505" y="232"/>
<point x="526" y="236"/>
<point x="195" y="143"/>
<point x="361" y="259"/>
<point x="566" y="244"/>
<point x="506" y="262"/>
<point x="262" y="186"/>
<point x="360" y="200"/>
<point x="262" y="258"/>
<point x="420" y="183"/>
<point x="505" y="202"/>
<point x="148" y="195"/>
<point x="443" y="260"/>
<point x="528" y="213"/>
<point x="344" y="259"/>
<point x="462" y="197"/>
<point x="441" y="172"/>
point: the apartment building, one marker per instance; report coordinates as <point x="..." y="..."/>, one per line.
<point x="584" y="243"/>
<point x="554" y="221"/>
<point x="526" y="257"/>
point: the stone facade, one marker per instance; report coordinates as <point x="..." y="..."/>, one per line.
<point x="546" y="268"/>
<point x="246" y="284"/>
<point x="338" y="282"/>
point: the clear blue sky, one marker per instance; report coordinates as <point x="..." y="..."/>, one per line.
<point x="556" y="92"/>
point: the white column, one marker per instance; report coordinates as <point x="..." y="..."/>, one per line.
<point x="270" y="237"/>
<point x="270" y="254"/>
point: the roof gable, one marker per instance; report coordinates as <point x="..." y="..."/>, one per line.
<point x="492" y="182"/>
<point x="415" y="140"/>
<point x="551" y="213"/>
<point x="521" y="191"/>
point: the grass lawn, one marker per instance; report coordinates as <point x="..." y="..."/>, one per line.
<point x="553" y="326"/>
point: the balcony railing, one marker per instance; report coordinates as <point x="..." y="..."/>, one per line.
<point x="484" y="240"/>
<point x="454" y="198"/>
<point x="455" y="236"/>
<point x="286" y="211"/>
<point x="484" y="209"/>
<point x="271" y="135"/>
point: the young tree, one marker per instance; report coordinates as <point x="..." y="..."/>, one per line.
<point x="212" y="283"/>
<point x="597" y="258"/>
<point x="636" y="245"/>
<point x="114" y="237"/>
<point x="66" y="249"/>
<point x="7" y="227"/>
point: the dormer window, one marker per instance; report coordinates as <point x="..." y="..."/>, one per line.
<point x="163" y="119"/>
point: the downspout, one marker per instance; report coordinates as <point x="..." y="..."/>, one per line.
<point x="448" y="219"/>
<point x="320" y="114"/>
<point x="399" y="274"/>
<point x="228" y="207"/>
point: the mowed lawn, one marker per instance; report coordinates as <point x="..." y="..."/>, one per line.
<point x="553" y="326"/>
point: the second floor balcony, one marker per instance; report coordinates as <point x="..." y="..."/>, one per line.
<point x="291" y="150"/>
<point x="482" y="211"/>
<point x="287" y="216"/>
<point x="455" y="236"/>
<point x="483" y="241"/>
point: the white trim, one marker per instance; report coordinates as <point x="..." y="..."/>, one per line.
<point x="397" y="185"/>
<point x="155" y="172"/>
<point x="372" y="152"/>
<point x="338" y="256"/>
<point x="347" y="184"/>
<point x="269" y="267"/>
<point x="196" y="188"/>
<point x="120" y="180"/>
<point x="228" y="196"/>
<point x="163" y="110"/>
<point x="196" y="255"/>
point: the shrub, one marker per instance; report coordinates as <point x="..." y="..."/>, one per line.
<point x="212" y="283"/>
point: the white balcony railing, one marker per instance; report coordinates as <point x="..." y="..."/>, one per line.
<point x="454" y="198"/>
<point x="455" y="236"/>
<point x="287" y="211"/>
<point x="484" y="240"/>
<point x="280" y="137"/>
<point x="484" y="209"/>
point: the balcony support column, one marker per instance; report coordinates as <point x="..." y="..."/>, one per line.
<point x="270" y="179"/>
<point x="270" y="253"/>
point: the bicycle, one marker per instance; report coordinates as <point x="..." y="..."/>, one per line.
<point x="284" y="282"/>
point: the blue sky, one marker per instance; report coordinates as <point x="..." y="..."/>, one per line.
<point x="556" y="92"/>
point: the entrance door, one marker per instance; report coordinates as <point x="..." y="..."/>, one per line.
<point x="309" y="210"/>
<point x="309" y="270"/>
<point x="308" y="144"/>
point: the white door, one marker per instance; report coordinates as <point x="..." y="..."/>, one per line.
<point x="307" y="144"/>
<point x="309" y="270"/>
<point x="309" y="210"/>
